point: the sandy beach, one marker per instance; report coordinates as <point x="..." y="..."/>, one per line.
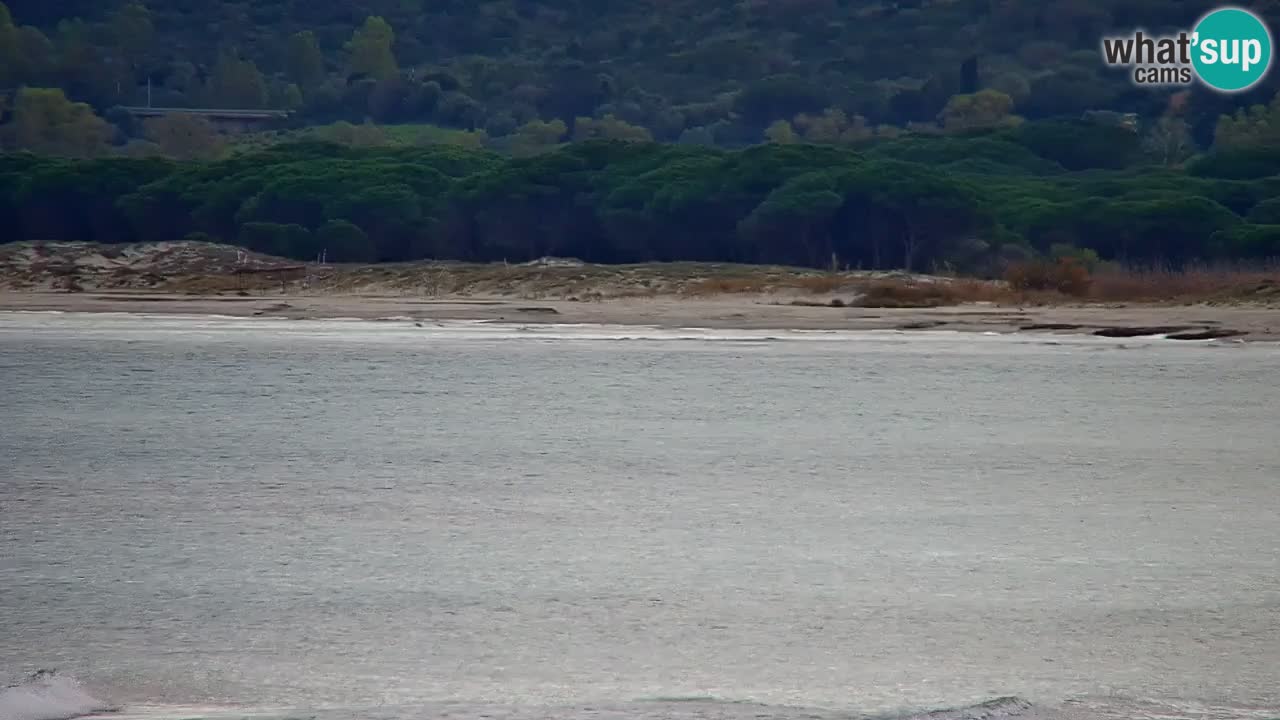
<point x="724" y="312"/>
<point x="192" y="278"/>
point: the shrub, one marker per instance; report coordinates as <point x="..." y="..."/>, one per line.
<point x="1087" y="257"/>
<point x="910" y="293"/>
<point x="820" y="284"/>
<point x="1216" y="282"/>
<point x="1266" y="212"/>
<point x="344" y="242"/>
<point x="1067" y="275"/>
<point x="1237" y="164"/>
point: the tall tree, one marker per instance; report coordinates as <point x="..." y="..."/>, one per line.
<point x="370" y="49"/>
<point x="45" y="121"/>
<point x="303" y="61"/>
<point x="9" y="54"/>
<point x="236" y="83"/>
<point x="983" y="109"/>
<point x="82" y="70"/>
<point x="132" y="32"/>
<point x="1169" y="141"/>
<point x="1259" y="126"/>
<point x="833" y="127"/>
<point x="185" y="137"/>
<point x="536" y="137"/>
<point x="26" y="55"/>
<point x="290" y="97"/>
<point x="780" y="132"/>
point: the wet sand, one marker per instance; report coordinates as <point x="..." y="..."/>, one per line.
<point x="723" y="312"/>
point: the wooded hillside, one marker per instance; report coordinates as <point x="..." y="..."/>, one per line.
<point x="701" y="71"/>
<point x="981" y="201"/>
<point x="943" y="133"/>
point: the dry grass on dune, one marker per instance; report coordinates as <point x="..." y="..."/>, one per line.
<point x="915" y="293"/>
<point x="1197" y="284"/>
<point x="1068" y="283"/>
<point x="743" y="280"/>
<point x="203" y="268"/>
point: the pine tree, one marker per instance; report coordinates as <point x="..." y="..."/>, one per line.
<point x="370" y="49"/>
<point x="303" y="61"/>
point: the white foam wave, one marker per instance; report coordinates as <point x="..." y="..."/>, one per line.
<point x="48" y="696"/>
<point x="403" y="330"/>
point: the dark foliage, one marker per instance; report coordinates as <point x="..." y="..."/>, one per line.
<point x="724" y="67"/>
<point x="909" y="202"/>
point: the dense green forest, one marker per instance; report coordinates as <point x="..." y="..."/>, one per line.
<point x="915" y="133"/>
<point x="966" y="203"/>
<point x="702" y="71"/>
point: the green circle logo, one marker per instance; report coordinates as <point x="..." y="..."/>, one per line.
<point x="1231" y="49"/>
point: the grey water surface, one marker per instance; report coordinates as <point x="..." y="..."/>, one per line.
<point x="377" y="520"/>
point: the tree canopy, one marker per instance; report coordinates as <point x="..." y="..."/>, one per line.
<point x="915" y="201"/>
<point x="906" y="134"/>
<point x="726" y="70"/>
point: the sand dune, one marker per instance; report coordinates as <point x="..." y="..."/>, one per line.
<point x="202" y="278"/>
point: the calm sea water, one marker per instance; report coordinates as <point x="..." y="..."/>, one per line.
<point x="217" y="517"/>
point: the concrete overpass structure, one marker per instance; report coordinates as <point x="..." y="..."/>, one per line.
<point x="229" y="121"/>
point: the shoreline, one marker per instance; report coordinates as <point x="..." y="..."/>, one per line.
<point x="1250" y="323"/>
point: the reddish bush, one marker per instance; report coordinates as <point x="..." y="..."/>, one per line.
<point x="1068" y="276"/>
